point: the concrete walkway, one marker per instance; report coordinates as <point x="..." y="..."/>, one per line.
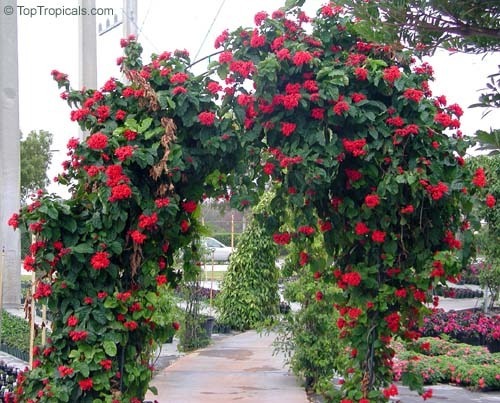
<point x="238" y="368"/>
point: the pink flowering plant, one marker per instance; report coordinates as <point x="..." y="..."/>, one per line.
<point x="357" y="146"/>
<point x="156" y="145"/>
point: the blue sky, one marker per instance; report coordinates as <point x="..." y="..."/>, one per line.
<point x="47" y="43"/>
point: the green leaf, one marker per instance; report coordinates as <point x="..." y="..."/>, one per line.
<point x="83" y="248"/>
<point x="109" y="348"/>
<point x="145" y="125"/>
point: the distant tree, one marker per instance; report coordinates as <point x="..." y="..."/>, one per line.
<point x="35" y="160"/>
<point x="469" y="26"/>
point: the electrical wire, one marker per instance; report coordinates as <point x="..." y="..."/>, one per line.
<point x="209" y="30"/>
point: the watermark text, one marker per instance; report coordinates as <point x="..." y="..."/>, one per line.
<point x="56" y="12"/>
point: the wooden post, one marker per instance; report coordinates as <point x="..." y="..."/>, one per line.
<point x="32" y="318"/>
<point x="212" y="280"/>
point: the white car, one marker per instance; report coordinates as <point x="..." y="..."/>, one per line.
<point x="216" y="250"/>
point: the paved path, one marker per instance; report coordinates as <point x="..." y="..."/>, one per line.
<point x="238" y="368"/>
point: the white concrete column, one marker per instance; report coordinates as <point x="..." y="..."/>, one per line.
<point x="129" y="18"/>
<point x="10" y="165"/>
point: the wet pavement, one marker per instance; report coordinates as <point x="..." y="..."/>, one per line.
<point x="238" y="368"/>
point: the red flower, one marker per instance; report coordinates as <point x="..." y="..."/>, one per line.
<point x="129" y="134"/>
<point x="306" y="230"/>
<point x="361" y="73"/>
<point x="287" y="128"/>
<point x="341" y="107"/>
<point x="106" y="364"/>
<point x="162" y="202"/>
<point x="283" y="238"/>
<point x="444" y="119"/>
<point x="189" y="206"/>
<point x="206" y="118"/>
<point x="100" y="260"/>
<point x="28" y="263"/>
<point x="407" y="209"/>
<point x="102" y="294"/>
<point x="176" y="325"/>
<point x="490" y="201"/>
<point x="78" y="335"/>
<point x="72" y="321"/>
<point x="354" y="313"/>
<point x="256" y="41"/>
<point x="131" y="325"/>
<point x="123" y="296"/>
<point x="401" y="293"/>
<point x="86" y="384"/>
<point x="120" y="115"/>
<point x="161" y="279"/>
<point x="185" y="226"/>
<point x="479" y="178"/>
<point x="42" y="290"/>
<point x="148" y="221"/>
<point x="391" y="74"/>
<point x="65" y="371"/>
<point x="97" y="141"/>
<point x="179" y="90"/>
<point x="325" y="226"/>
<point x="268" y="168"/>
<point x="390" y="391"/>
<point x="103" y="112"/>
<point x="437" y="191"/>
<point x="13" y="221"/>
<point x="378" y="236"/>
<point x="122" y="153"/>
<point x="120" y="192"/>
<point x="301" y="57"/>
<point x="179" y="78"/>
<point x="352" y="278"/>
<point x="303" y="258"/>
<point x="427" y="394"/>
<point x="372" y="200"/>
<point x="138" y="237"/>
<point x="214" y="87"/>
<point x="413" y="94"/>
<point x="354" y="147"/>
<point x="260" y="17"/>
<point x="318" y="296"/>
<point x="361" y="229"/>
<point x="225" y="57"/>
<point x="392" y="321"/>
<point x="318" y="113"/>
<point x="358" y="97"/>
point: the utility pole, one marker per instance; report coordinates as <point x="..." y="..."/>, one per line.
<point x="87" y="49"/>
<point x="129" y="18"/>
<point x="10" y="161"/>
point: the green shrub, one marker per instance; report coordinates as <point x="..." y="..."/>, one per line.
<point x="16" y="334"/>
<point x="249" y="292"/>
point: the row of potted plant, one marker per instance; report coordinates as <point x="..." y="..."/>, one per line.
<point x="471" y="327"/>
<point x="435" y="360"/>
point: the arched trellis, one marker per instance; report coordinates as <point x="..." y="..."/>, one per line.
<point x="350" y="131"/>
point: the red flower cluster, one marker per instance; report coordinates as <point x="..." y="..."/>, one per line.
<point x="138" y="237"/>
<point x="287" y="128"/>
<point x="306" y="230"/>
<point x="122" y="153"/>
<point x="372" y="200"/>
<point x="301" y="57"/>
<point x="189" y="206"/>
<point x="42" y="290"/>
<point x="100" y="260"/>
<point x="72" y="321"/>
<point x="391" y="74"/>
<point x="413" y="94"/>
<point x="14" y="221"/>
<point x="65" y="371"/>
<point x="479" y="178"/>
<point x="120" y="192"/>
<point x="340" y="107"/>
<point x="392" y="321"/>
<point x="131" y="325"/>
<point x="354" y="147"/>
<point x="97" y="141"/>
<point x="452" y="242"/>
<point x="361" y="228"/>
<point x="148" y="221"/>
<point x="206" y="118"/>
<point x="283" y="238"/>
<point x="378" y="236"/>
<point x="435" y="191"/>
<point x="490" y="201"/>
<point x="352" y="279"/>
<point x="86" y="384"/>
<point x="78" y="335"/>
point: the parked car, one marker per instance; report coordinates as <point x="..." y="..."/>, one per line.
<point x="216" y="250"/>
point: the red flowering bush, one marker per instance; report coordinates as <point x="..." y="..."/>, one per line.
<point x="104" y="258"/>
<point x="374" y="155"/>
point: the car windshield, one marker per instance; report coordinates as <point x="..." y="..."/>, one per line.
<point x="213" y="243"/>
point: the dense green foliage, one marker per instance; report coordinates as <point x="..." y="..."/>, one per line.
<point x="249" y="293"/>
